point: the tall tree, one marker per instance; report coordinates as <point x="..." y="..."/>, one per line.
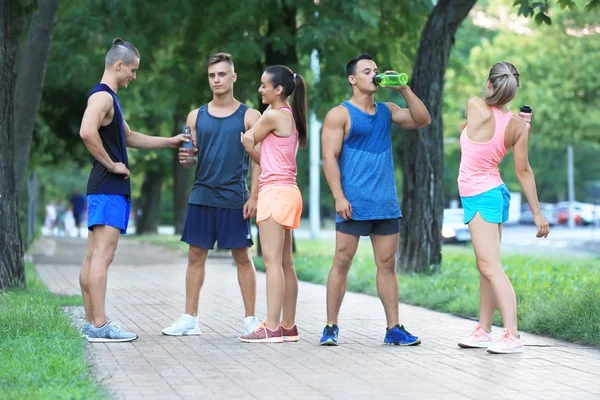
<point x="182" y="181"/>
<point x="12" y="268"/>
<point x="32" y="60"/>
<point x="420" y="244"/>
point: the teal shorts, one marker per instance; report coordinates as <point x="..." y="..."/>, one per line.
<point x="492" y="205"/>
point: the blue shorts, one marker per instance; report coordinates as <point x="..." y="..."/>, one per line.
<point x="492" y="205"/>
<point x="108" y="209"/>
<point x="206" y="225"/>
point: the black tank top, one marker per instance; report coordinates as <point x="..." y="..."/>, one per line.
<point x="101" y="181"/>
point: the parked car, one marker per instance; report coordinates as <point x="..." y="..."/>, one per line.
<point x="548" y="211"/>
<point x="454" y="229"/>
<point x="584" y="213"/>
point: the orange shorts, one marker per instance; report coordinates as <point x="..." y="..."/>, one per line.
<point x="283" y="203"/>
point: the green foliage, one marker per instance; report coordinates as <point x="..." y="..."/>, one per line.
<point x="175" y="44"/>
<point x="557" y="78"/>
<point x="41" y="353"/>
<point x="528" y="8"/>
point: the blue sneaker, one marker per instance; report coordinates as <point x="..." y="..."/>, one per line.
<point x="109" y="332"/>
<point x="330" y="335"/>
<point x="400" y="336"/>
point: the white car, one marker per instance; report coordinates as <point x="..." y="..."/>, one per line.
<point x="585" y="213"/>
<point x="454" y="229"/>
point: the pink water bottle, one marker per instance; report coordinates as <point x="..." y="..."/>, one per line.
<point x="525" y="113"/>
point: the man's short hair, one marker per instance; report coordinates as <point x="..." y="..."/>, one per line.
<point x="121" y="51"/>
<point x="220" y="57"/>
<point x="351" y="67"/>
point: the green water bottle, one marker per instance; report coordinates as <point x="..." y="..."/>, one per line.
<point x="384" y="80"/>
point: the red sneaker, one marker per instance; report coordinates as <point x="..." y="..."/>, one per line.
<point x="262" y="334"/>
<point x="290" y="334"/>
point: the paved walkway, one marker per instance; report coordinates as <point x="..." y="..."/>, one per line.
<point x="145" y="293"/>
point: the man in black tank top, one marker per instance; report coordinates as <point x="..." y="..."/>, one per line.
<point x="107" y="136"/>
<point x="220" y="207"/>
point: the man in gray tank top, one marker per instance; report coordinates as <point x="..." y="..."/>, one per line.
<point x="220" y="206"/>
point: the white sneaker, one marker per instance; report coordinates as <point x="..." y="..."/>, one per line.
<point x="477" y="338"/>
<point x="186" y="325"/>
<point x="250" y="324"/>
<point x="507" y="344"/>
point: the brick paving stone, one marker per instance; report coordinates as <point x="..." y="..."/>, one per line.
<point x="146" y="292"/>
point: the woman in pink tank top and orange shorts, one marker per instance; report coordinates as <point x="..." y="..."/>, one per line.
<point x="273" y="143"/>
<point x="489" y="132"/>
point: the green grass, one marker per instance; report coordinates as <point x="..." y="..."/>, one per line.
<point x="170" y="242"/>
<point x="42" y="355"/>
<point x="558" y="297"/>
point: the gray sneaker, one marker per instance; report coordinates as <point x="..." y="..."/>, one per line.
<point x="110" y="332"/>
<point x="84" y="329"/>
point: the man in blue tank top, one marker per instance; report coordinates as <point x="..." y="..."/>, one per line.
<point x="358" y="164"/>
<point x="107" y="136"/>
<point x="220" y="206"/>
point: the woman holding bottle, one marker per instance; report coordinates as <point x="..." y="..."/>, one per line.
<point x="489" y="132"/>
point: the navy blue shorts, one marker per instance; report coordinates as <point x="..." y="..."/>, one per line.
<point x="108" y="209"/>
<point x="369" y="227"/>
<point x="204" y="225"/>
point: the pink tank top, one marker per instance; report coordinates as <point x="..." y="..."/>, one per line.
<point x="478" y="171"/>
<point x="278" y="158"/>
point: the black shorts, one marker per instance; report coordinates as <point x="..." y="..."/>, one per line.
<point x="369" y="227"/>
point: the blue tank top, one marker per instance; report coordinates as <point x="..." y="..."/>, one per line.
<point x="220" y="179"/>
<point x="101" y="181"/>
<point x="367" y="166"/>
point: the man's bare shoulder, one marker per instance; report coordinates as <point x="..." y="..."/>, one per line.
<point x="337" y="115"/>
<point x="192" y="117"/>
<point x="101" y="100"/>
<point x="193" y="113"/>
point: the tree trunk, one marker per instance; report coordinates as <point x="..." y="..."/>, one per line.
<point x="182" y="183"/>
<point x="278" y="54"/>
<point x="149" y="203"/>
<point x="12" y="267"/>
<point x="420" y="239"/>
<point x="30" y="81"/>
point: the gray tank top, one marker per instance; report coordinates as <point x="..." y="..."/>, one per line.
<point x="222" y="167"/>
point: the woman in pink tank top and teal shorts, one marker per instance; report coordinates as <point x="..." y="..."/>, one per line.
<point x="489" y="132"/>
<point x="273" y="143"/>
